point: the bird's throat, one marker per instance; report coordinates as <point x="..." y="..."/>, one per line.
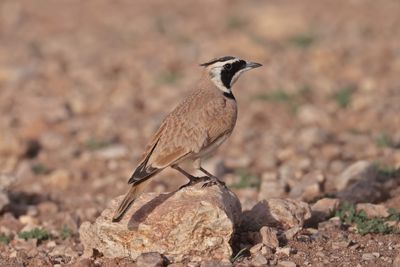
<point x="229" y="95"/>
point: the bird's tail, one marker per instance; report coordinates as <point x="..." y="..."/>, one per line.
<point x="132" y="194"/>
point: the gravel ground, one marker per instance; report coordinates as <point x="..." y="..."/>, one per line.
<point x="83" y="85"/>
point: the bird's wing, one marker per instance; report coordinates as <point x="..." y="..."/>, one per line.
<point x="176" y="139"/>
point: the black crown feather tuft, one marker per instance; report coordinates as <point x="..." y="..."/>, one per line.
<point x="221" y="59"/>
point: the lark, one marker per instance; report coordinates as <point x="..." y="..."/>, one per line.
<point x="193" y="130"/>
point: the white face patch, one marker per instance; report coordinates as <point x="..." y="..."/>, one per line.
<point x="215" y="74"/>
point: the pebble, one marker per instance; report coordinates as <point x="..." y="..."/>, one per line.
<point x="286" y="251"/>
<point x="84" y="263"/>
<point x="151" y="259"/>
<point x="27" y="220"/>
<point x="259" y="260"/>
<point x="287" y="264"/>
<point x="269" y="237"/>
<point x="368" y="256"/>
<point x="256" y="248"/>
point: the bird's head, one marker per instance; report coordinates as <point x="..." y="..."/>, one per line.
<point x="225" y="71"/>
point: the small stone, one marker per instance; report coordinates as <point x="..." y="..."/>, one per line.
<point x="368" y="256"/>
<point x="292" y="232"/>
<point x="286" y="251"/>
<point x="256" y="249"/>
<point x="212" y="263"/>
<point x="84" y="263"/>
<point x="332" y="223"/>
<point x="376" y="254"/>
<point x="312" y="136"/>
<point x="151" y="259"/>
<point x="177" y="264"/>
<point x="112" y="152"/>
<point x="267" y="252"/>
<point x="287" y="264"/>
<point x="259" y="260"/>
<point x="60" y="179"/>
<point x="51" y="244"/>
<point x="28" y="220"/>
<point x="269" y="237"/>
<point x="323" y="209"/>
<point x="373" y="210"/>
<point x="340" y="244"/>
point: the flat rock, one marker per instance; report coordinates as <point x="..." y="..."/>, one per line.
<point x="194" y="222"/>
<point x="276" y="212"/>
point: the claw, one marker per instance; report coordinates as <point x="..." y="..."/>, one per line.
<point x="194" y="181"/>
<point x="190" y="183"/>
<point x="213" y="181"/>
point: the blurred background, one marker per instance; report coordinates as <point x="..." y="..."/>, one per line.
<point x="84" y="84"/>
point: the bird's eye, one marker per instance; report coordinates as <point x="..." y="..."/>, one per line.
<point x="228" y="66"/>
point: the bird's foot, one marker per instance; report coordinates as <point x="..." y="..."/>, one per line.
<point x="194" y="180"/>
<point x="213" y="181"/>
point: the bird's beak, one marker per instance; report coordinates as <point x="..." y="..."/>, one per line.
<point x="252" y="65"/>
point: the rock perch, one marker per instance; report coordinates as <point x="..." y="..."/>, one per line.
<point x="194" y="222"/>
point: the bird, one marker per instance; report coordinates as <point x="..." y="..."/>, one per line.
<point x="197" y="126"/>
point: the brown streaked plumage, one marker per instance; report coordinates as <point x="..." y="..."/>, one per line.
<point x="194" y="129"/>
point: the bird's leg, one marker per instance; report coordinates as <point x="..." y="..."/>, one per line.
<point x="213" y="179"/>
<point x="192" y="179"/>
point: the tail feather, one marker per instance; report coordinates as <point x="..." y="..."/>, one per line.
<point x="129" y="198"/>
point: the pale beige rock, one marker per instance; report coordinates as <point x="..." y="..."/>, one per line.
<point x="286" y="264"/>
<point x="256" y="249"/>
<point x="325" y="205"/>
<point x="276" y="212"/>
<point x="323" y="208"/>
<point x="269" y="237"/>
<point x="292" y="232"/>
<point x="373" y="210"/>
<point x="259" y="260"/>
<point x="285" y="251"/>
<point x="357" y="171"/>
<point x="194" y="222"/>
